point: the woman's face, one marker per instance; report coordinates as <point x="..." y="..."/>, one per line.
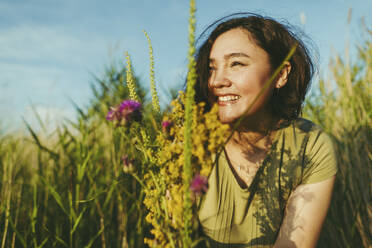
<point x="239" y="70"/>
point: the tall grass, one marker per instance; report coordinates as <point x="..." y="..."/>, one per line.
<point x="343" y="107"/>
<point x="65" y="189"/>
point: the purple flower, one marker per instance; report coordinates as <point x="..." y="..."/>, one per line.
<point x="127" y="111"/>
<point x="127" y="164"/>
<point x="166" y="125"/>
<point x="199" y="184"/>
<point x="111" y="114"/>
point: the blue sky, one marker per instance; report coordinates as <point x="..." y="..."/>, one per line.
<point x="50" y="49"/>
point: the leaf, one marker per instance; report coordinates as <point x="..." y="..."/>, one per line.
<point x="43" y="243"/>
<point x="94" y="238"/>
<point x="23" y="242"/>
<point x="77" y="221"/>
<point x="55" y="195"/>
<point x="38" y="143"/>
<point x="81" y="169"/>
<point x="79" y="110"/>
<point x="61" y="241"/>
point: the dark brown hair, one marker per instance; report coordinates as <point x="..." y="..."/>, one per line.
<point x="276" y="39"/>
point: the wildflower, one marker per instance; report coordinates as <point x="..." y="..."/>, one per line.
<point x="130" y="80"/>
<point x="155" y="99"/>
<point x="130" y="109"/>
<point x="199" y="185"/>
<point x="127" y="164"/>
<point x="127" y="111"/>
<point x="166" y="125"/>
<point x="111" y="114"/>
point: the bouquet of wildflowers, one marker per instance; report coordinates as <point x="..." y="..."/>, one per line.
<point x="171" y="155"/>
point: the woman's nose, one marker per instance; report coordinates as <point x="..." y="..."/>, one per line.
<point x="218" y="79"/>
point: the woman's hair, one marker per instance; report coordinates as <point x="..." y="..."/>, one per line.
<point x="277" y="40"/>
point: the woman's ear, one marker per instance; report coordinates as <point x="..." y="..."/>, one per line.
<point x="283" y="76"/>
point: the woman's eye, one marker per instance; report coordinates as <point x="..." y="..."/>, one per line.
<point x="236" y="63"/>
<point x="211" y="68"/>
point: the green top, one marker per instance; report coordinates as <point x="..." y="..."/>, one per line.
<point x="235" y="217"/>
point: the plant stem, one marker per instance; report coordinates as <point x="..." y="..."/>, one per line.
<point x="190" y="93"/>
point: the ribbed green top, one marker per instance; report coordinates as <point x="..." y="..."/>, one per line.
<point x="235" y="217"/>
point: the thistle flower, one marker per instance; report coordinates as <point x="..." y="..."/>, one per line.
<point x="127" y="111"/>
<point x="127" y="164"/>
<point x="199" y="185"/>
<point x="166" y="125"/>
<point x="111" y="115"/>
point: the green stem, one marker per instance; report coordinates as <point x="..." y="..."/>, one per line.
<point x="190" y="93"/>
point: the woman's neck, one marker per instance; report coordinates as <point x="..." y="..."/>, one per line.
<point x="254" y="134"/>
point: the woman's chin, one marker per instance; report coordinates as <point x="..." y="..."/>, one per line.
<point x="226" y="119"/>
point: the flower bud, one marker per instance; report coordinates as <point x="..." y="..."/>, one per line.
<point x="199" y="185"/>
<point x="127" y="164"/>
<point x="166" y="125"/>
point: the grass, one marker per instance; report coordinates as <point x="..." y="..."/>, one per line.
<point x="66" y="189"/>
<point x="343" y="107"/>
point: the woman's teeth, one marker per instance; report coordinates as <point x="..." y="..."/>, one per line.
<point x="228" y="98"/>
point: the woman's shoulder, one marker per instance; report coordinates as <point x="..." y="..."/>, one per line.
<point x="314" y="134"/>
<point x="304" y="130"/>
<point x="318" y="150"/>
<point x="304" y="136"/>
<point x="299" y="132"/>
<point x="305" y="126"/>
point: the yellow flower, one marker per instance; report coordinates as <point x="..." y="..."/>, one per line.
<point x="165" y="201"/>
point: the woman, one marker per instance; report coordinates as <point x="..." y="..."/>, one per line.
<point x="272" y="185"/>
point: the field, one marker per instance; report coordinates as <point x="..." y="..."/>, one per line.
<point x="67" y="187"/>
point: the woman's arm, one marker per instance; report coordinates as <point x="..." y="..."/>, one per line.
<point x="305" y="212"/>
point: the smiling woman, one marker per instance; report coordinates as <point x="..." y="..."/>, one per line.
<point x="239" y="70"/>
<point x="272" y="184"/>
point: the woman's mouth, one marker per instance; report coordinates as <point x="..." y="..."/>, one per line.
<point x="228" y="99"/>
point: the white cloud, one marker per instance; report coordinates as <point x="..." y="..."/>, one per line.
<point x="45" y="44"/>
<point x="50" y="116"/>
<point x="34" y="76"/>
<point x="44" y="65"/>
